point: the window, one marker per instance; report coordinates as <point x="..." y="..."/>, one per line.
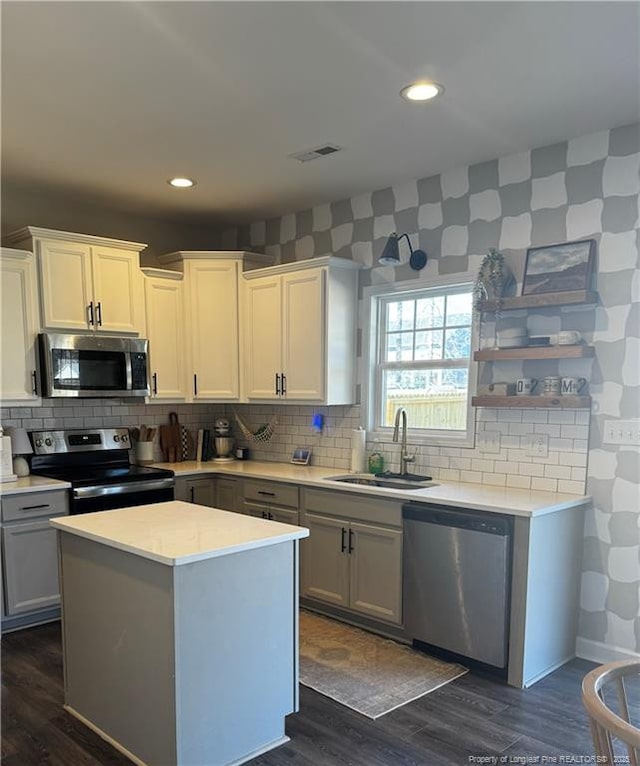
<point x="421" y="343"/>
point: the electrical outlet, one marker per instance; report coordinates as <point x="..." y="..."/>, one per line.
<point x="625" y="432"/>
<point x="489" y="441"/>
<point x="538" y="445"/>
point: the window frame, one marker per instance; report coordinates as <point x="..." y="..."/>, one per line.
<point x="374" y="298"/>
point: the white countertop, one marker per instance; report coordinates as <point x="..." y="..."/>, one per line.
<point x="31" y="484"/>
<point x="176" y="533"/>
<point x="480" y="497"/>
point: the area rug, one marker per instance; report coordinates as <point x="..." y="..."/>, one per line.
<point x="367" y="673"/>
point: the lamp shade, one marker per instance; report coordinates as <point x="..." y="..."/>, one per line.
<point x="20" y="444"/>
<point x="390" y="255"/>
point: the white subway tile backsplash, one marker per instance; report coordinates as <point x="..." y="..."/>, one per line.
<point x="511" y="466"/>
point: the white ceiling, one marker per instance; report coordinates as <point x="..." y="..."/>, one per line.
<point x="111" y="99"/>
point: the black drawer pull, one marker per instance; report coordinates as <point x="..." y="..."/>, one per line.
<point x="34" y="507"/>
<point x="268" y="494"/>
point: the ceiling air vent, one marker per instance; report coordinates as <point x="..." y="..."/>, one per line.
<point x="314" y="154"/>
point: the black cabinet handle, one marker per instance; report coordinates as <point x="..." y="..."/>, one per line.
<point x="343" y="545"/>
<point x="351" y="541"/>
<point x="34" y="507"/>
<point x="99" y="313"/>
<point x="34" y="380"/>
<point x="277" y="384"/>
<point x="195" y="384"/>
<point x="264" y="515"/>
<point x="193" y="493"/>
<point x="90" y="313"/>
<point x="267" y="494"/>
<point x="155" y="382"/>
<point x="270" y="516"/>
<point x="284" y="385"/>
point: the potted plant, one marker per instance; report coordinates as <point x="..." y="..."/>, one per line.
<point x="492" y="282"/>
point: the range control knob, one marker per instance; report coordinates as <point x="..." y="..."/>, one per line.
<point x="116" y="438"/>
<point x="48" y="441"/>
<point x="125" y="438"/>
<point x="38" y="442"/>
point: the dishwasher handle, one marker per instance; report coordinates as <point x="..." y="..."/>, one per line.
<point x="491" y="524"/>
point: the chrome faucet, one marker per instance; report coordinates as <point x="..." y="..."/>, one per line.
<point x="405" y="457"/>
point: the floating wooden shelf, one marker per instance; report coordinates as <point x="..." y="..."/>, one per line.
<point x="533" y="352"/>
<point x="548" y="402"/>
<point x="542" y="300"/>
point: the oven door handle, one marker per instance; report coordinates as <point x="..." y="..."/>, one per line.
<point x="80" y="493"/>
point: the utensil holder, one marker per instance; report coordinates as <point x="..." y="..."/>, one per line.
<point x="143" y="452"/>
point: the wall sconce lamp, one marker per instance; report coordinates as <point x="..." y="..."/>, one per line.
<point x="391" y="253"/>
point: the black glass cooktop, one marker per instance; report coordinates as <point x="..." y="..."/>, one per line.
<point x="88" y="476"/>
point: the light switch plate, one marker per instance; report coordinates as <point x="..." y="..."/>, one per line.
<point x="538" y="445"/>
<point x="624" y="432"/>
<point x="489" y="441"/>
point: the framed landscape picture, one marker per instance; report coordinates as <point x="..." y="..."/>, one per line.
<point x="559" y="268"/>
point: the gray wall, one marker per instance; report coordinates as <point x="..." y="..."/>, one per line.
<point x="586" y="187"/>
<point x="24" y="205"/>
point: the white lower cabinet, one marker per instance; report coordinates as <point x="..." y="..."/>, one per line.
<point x="353" y="560"/>
<point x="199" y="491"/>
<point x="30" y="554"/>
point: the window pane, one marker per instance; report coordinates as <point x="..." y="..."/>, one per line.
<point x="457" y="343"/>
<point x="430" y="312"/>
<point x="429" y="344"/>
<point x="399" y="347"/>
<point x="435" y="398"/>
<point x="400" y="315"/>
<point x="459" y="308"/>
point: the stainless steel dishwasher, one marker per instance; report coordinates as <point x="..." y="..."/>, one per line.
<point x="457" y="570"/>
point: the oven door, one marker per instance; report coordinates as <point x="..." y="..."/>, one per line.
<point x="93" y="366"/>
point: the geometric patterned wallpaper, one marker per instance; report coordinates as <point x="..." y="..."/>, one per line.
<point x="582" y="188"/>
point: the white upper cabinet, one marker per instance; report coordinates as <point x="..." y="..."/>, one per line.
<point x="263" y="335"/>
<point x="87" y="283"/>
<point x="211" y="321"/>
<point x="19" y="326"/>
<point x="165" y="329"/>
<point x="299" y="332"/>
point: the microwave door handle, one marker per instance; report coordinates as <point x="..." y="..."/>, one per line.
<point x="127" y="361"/>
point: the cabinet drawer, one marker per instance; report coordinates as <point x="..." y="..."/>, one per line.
<point x="352" y="506"/>
<point x="269" y="492"/>
<point x="34" y="504"/>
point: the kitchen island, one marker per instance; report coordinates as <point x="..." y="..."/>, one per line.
<point x="180" y="631"/>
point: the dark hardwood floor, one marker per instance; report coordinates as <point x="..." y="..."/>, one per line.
<point x="473" y="716"/>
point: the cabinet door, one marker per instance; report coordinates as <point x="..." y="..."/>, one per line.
<point x="117" y="290"/>
<point x="66" y="285"/>
<point x="255" y="509"/>
<point x="303" y="316"/>
<point x="199" y="491"/>
<point x="226" y="497"/>
<point x="325" y="562"/>
<point x="263" y="335"/>
<point x="18" y="326"/>
<point x="202" y="492"/>
<point x="165" y="318"/>
<point x="376" y="572"/>
<point x="213" y="329"/>
<point x="283" y="515"/>
<point x="30" y="553"/>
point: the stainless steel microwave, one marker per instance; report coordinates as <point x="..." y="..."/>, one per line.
<point x="93" y="366"/>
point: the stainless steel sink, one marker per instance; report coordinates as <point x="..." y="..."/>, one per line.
<point x="388" y="480"/>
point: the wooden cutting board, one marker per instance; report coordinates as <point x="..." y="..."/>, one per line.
<point x="171" y="439"/>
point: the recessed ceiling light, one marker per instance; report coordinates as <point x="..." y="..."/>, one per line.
<point x="421" y="91"/>
<point x="181" y="183"/>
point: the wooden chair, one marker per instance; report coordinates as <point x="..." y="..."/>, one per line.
<point x="607" y="726"/>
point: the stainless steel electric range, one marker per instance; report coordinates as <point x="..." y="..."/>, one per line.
<point x="95" y="462"/>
